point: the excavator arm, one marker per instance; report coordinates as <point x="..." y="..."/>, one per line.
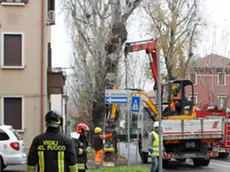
<point x="114" y="107"/>
<point x="145" y="98"/>
<point x="150" y="47"/>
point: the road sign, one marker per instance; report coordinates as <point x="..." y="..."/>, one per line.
<point x="116" y="96"/>
<point x="136" y="104"/>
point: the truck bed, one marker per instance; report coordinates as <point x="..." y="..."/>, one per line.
<point x="193" y="129"/>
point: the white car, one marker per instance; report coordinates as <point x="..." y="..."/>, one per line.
<point x="11" y="147"/>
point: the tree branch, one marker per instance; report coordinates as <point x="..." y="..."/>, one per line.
<point x="130" y="7"/>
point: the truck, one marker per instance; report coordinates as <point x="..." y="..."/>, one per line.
<point x="184" y="135"/>
<point x="210" y="112"/>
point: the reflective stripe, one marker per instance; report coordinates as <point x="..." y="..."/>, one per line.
<point x="80" y="152"/>
<point x="80" y="166"/>
<point x="41" y="161"/>
<point x="73" y="168"/>
<point x="31" y="168"/>
<point x="61" y="164"/>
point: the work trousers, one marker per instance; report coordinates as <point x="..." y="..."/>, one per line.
<point x="155" y="164"/>
<point x="98" y="156"/>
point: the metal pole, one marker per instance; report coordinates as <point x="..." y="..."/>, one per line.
<point x="137" y="146"/>
<point x="159" y="108"/>
<point x="128" y="113"/>
<point x="128" y="137"/>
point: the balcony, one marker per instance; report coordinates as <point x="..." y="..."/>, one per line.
<point x="56" y="80"/>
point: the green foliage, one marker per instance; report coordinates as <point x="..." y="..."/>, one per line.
<point x="176" y="24"/>
<point x="123" y="169"/>
<point x="147" y="70"/>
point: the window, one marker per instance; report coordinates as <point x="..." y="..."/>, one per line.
<point x="12" y="108"/>
<point x="195" y="98"/>
<point x="51" y="5"/>
<point x="221" y="101"/>
<point x="12" y="50"/>
<point x="13" y="2"/>
<point x="3" y="135"/>
<point x="221" y="79"/>
<point x="49" y="55"/>
<point x="193" y="78"/>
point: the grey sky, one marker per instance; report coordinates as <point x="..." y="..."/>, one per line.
<point x="214" y="40"/>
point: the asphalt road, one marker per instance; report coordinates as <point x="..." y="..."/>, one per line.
<point x="174" y="166"/>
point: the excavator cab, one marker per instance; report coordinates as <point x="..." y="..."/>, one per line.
<point x="182" y="106"/>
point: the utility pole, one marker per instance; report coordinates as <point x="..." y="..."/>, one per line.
<point x="128" y="114"/>
<point x="159" y="107"/>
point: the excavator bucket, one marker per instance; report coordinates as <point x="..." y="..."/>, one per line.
<point x="110" y="144"/>
<point x="110" y="153"/>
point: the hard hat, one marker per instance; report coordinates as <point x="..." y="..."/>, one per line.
<point x="81" y="128"/>
<point x="156" y="124"/>
<point x="97" y="130"/>
<point x="174" y="87"/>
<point x="53" y="119"/>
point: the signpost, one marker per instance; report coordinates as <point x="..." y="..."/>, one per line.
<point x="116" y="96"/>
<point x="136" y="104"/>
<point x="134" y="108"/>
<point x="122" y="97"/>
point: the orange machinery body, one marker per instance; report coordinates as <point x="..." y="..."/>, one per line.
<point x="150" y="47"/>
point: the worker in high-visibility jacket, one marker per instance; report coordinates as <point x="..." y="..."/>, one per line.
<point x="154" y="151"/>
<point x="175" y="99"/>
<point x="98" y="145"/>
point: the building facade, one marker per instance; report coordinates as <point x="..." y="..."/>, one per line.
<point x="27" y="79"/>
<point x="211" y="78"/>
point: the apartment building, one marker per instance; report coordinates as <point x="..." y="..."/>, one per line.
<point x="26" y="77"/>
<point x="211" y="79"/>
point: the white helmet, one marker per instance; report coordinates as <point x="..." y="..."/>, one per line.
<point x="156" y="124"/>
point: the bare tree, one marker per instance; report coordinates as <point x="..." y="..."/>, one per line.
<point x="176" y="24"/>
<point x="135" y="71"/>
<point x="98" y="31"/>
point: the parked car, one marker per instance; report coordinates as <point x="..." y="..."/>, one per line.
<point x="11" y="147"/>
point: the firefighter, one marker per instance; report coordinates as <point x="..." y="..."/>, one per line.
<point x="52" y="151"/>
<point x="81" y="146"/>
<point x="175" y="100"/>
<point x="98" y="145"/>
<point x="153" y="150"/>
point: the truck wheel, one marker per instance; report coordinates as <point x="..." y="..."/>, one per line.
<point x="165" y="163"/>
<point x="144" y="157"/>
<point x="196" y="162"/>
<point x="226" y="155"/>
<point x="223" y="155"/>
<point x="204" y="162"/>
<point x="181" y="160"/>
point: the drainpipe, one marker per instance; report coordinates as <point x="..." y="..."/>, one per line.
<point x="42" y="62"/>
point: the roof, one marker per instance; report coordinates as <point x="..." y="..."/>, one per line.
<point x="213" y="60"/>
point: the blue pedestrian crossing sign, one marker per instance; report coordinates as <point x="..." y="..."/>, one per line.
<point x="135" y="104"/>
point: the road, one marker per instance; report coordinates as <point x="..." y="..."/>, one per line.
<point x="174" y="166"/>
